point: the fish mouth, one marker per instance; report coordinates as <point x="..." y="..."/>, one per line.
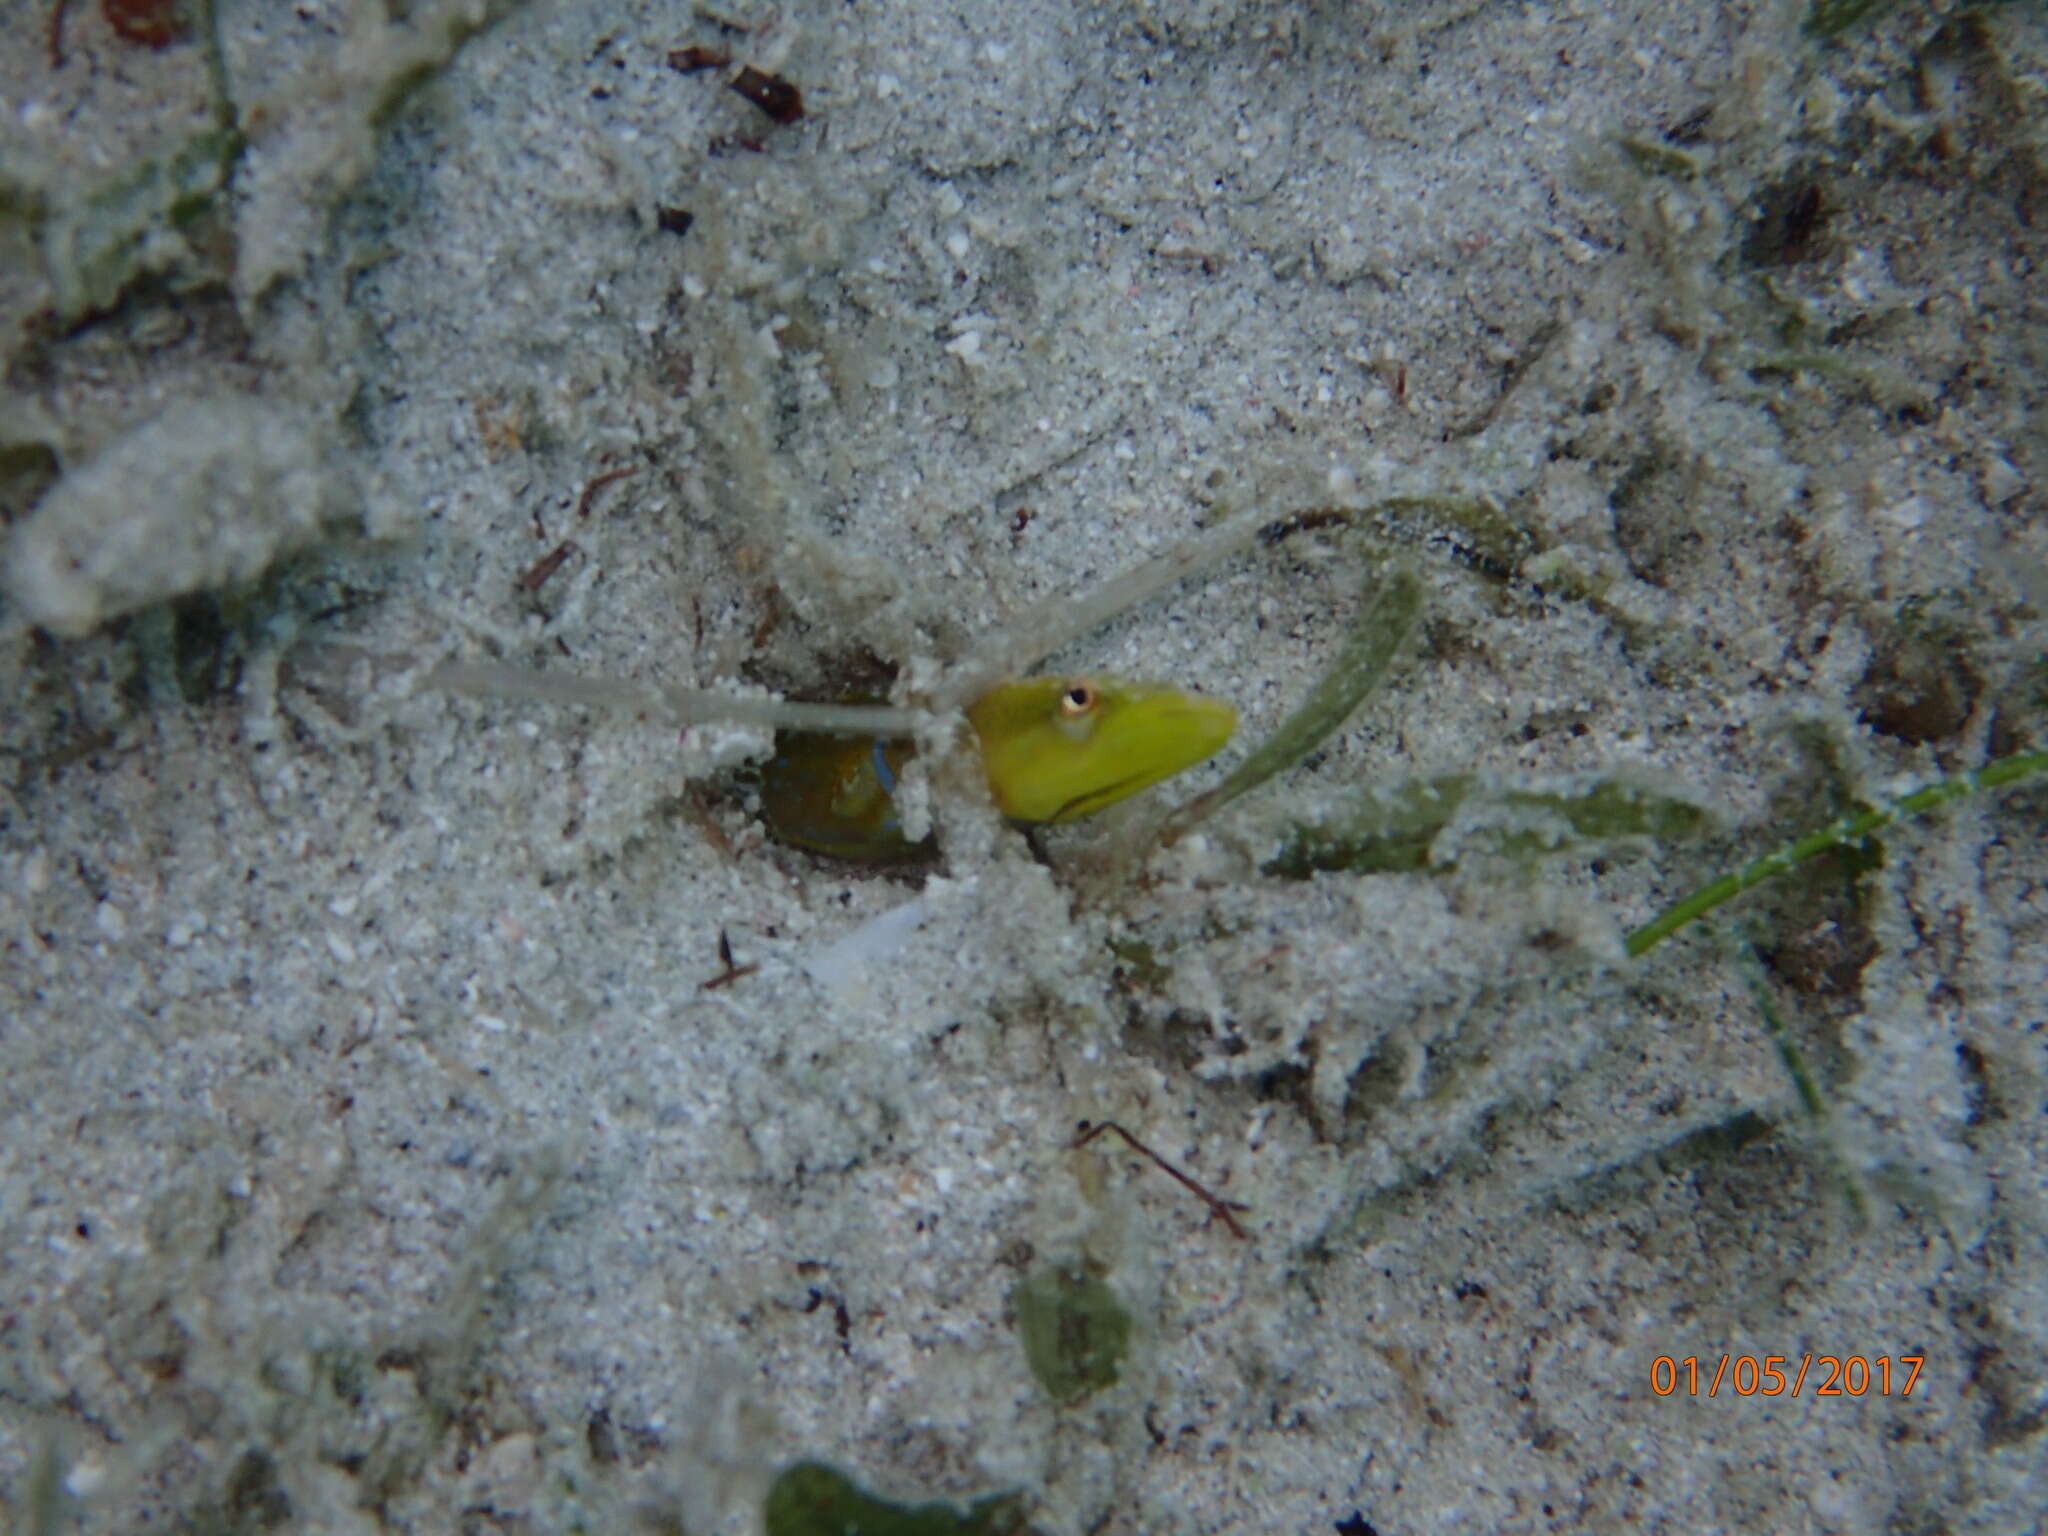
<point x="1107" y="794"/>
<point x="1212" y="725"/>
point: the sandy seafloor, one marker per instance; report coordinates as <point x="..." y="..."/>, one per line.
<point x="376" y="1152"/>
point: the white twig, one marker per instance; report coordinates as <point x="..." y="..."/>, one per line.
<point x="1016" y="646"/>
<point x="686" y="706"/>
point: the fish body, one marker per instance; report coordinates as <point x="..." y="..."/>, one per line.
<point x="1055" y="749"/>
<point x="836" y="795"/>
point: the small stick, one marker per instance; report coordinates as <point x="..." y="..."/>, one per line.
<point x="537" y="574"/>
<point x="1218" y="1207"/>
<point x="731" y="973"/>
<point x="590" y="491"/>
<point x="697" y="56"/>
<point x="771" y="93"/>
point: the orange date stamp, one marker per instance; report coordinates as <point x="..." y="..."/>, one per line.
<point x="1786" y="1375"/>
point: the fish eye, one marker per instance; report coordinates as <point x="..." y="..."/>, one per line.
<point x="1078" y="699"/>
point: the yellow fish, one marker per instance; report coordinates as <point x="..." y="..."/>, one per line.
<point x="1054" y="749"/>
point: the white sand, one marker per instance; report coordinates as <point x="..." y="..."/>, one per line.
<point x="375" y="1153"/>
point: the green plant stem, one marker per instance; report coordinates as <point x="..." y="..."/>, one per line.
<point x="1789" y="1054"/>
<point x="1849" y="829"/>
<point x="1358" y="669"/>
<point x="227" y="118"/>
<point x="1794" y="1061"/>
